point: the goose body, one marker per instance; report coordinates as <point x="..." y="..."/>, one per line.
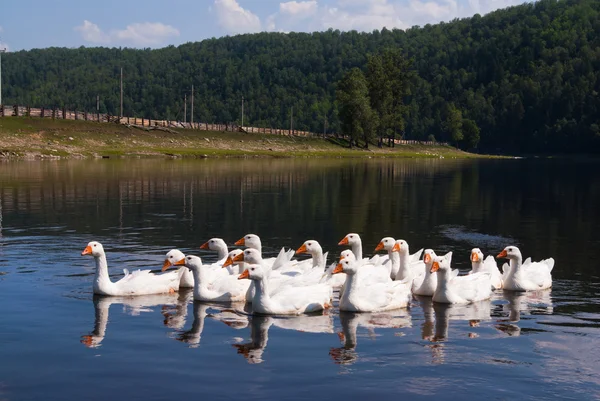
<point x="489" y="265"/>
<point x="453" y="289"/>
<point x="426" y="283"/>
<point x="138" y="282"/>
<point x="409" y="266"/>
<point x="374" y="297"/>
<point x="288" y="300"/>
<point x="525" y="276"/>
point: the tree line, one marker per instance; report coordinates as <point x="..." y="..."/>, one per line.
<point x="521" y="79"/>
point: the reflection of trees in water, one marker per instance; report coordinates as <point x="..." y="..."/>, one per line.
<point x="320" y="199"/>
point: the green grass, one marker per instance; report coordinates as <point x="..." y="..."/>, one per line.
<point x="36" y="137"/>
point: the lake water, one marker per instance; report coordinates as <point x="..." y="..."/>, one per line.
<point x="59" y="342"/>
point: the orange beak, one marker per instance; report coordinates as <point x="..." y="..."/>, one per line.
<point x="427" y="258"/>
<point x="338" y="269"/>
<point x="435" y="267"/>
<point x="245" y="274"/>
<point x="240" y="242"/>
<point x="502" y="254"/>
<point x="343" y="241"/>
<point x="228" y="262"/>
<point x="204" y="246"/>
<point x="180" y="262"/>
<point x="166" y="265"/>
<point x="379" y="247"/>
<point x="239" y="258"/>
<point x="396" y="247"/>
<point x="474" y="257"/>
<point x="87" y="251"/>
<point x="302" y="249"/>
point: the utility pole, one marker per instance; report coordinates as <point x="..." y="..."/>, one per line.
<point x="2" y="50"/>
<point x="192" y="116"/>
<point x="121" y="114"/>
<point x="292" y="121"/>
<point x="184" y="108"/>
<point x="242" y="111"/>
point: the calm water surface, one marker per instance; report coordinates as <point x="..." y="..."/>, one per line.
<point x="59" y="342"/>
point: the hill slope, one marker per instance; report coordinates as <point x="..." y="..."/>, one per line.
<point x="528" y="75"/>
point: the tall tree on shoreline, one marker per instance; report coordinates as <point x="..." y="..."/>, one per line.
<point x="356" y="116"/>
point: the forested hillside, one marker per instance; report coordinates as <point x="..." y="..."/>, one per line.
<point x="527" y="76"/>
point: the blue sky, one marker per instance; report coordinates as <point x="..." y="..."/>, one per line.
<point x="157" y="23"/>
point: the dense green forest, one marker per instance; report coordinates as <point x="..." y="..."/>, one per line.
<point x="525" y="78"/>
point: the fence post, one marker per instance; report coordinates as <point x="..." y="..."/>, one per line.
<point x="42" y="112"/>
<point x="85" y="115"/>
<point x="28" y="111"/>
<point x="53" y="113"/>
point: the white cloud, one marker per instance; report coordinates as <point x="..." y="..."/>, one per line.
<point x="367" y="15"/>
<point x="91" y="32"/>
<point x="137" y="34"/>
<point x="298" y="8"/>
<point x="146" y="33"/>
<point x="235" y="19"/>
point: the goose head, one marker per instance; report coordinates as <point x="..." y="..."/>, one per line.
<point x="174" y="255"/>
<point x="249" y="255"/>
<point x="401" y="247"/>
<point x="476" y="255"/>
<point x="386" y="244"/>
<point x="347" y="254"/>
<point x="440" y="264"/>
<point x="510" y="252"/>
<point x="311" y="247"/>
<point x="93" y="248"/>
<point x="231" y="258"/>
<point x="249" y="241"/>
<point x="346" y="266"/>
<point x="214" y="244"/>
<point x="350" y="239"/>
<point x="191" y="262"/>
<point x="253" y="272"/>
<point x="428" y="256"/>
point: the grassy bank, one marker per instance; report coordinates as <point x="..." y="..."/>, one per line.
<point x="30" y="138"/>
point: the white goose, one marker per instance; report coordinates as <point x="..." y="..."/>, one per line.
<point x="387" y="244"/>
<point x="217" y="245"/>
<point x="426" y="283"/>
<point x="357" y="297"/>
<point x="409" y="266"/>
<point x="289" y="300"/>
<point x="138" y="282"/>
<point x="175" y="255"/>
<point x="211" y="288"/>
<point x="525" y="276"/>
<point x="478" y="264"/>
<point x="452" y="289"/>
<point x="232" y="267"/>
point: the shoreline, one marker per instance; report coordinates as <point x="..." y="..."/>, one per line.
<point x="23" y="138"/>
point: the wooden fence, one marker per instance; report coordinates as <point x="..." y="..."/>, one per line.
<point x="64" y="114"/>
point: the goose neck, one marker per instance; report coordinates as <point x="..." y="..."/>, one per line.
<point x="357" y="250"/>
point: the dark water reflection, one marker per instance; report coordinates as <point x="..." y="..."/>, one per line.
<point x="60" y="342"/>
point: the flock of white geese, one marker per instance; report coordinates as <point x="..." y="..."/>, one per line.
<point x="286" y="286"/>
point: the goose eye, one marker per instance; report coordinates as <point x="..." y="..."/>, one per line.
<point x="252" y="269"/>
<point x="95" y="244"/>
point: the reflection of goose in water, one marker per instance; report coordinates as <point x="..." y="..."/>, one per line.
<point x="350" y="322"/>
<point x="438" y="316"/>
<point x="259" y="331"/>
<point x="175" y="316"/>
<point x="523" y="303"/>
<point x="231" y="316"/>
<point x="133" y="306"/>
